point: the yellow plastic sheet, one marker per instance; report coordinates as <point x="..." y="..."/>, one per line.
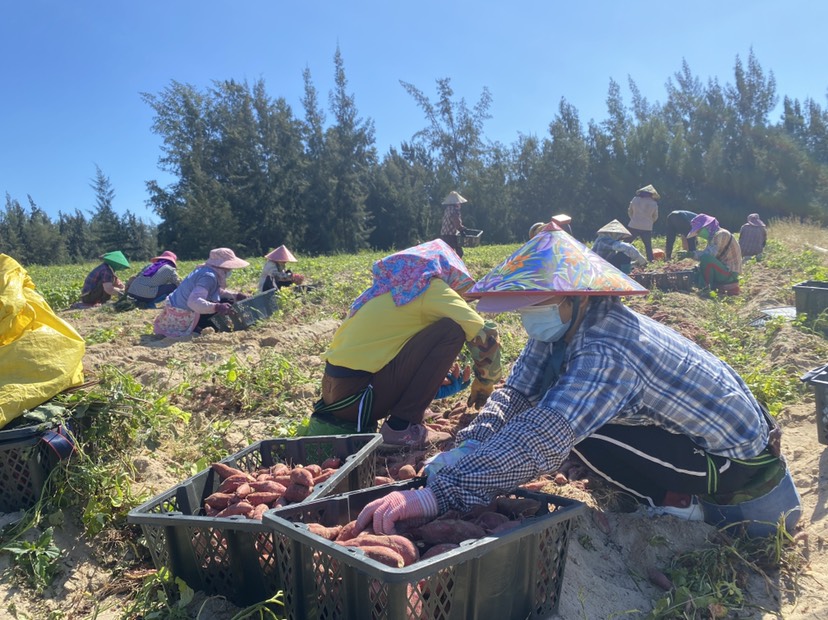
<point x="40" y="353"/>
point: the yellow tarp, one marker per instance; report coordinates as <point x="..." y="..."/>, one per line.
<point x="40" y="353"/>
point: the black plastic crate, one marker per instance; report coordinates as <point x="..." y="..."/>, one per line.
<point x="247" y="312"/>
<point x="234" y="556"/>
<point x="811" y="298"/>
<point x="818" y="377"/>
<point x="517" y="574"/>
<point x="666" y="280"/>
<point x="25" y="463"/>
<point x="470" y="238"/>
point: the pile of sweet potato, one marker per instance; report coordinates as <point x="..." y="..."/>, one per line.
<point x="251" y="494"/>
<point x="416" y="542"/>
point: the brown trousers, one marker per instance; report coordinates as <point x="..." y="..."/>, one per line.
<point x="408" y="383"/>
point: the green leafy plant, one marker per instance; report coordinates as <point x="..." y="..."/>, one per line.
<point x="37" y="559"/>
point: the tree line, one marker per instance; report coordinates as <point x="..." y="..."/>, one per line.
<point x="251" y="174"/>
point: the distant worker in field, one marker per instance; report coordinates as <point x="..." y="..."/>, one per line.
<point x="275" y="273"/>
<point x="102" y="283"/>
<point x="643" y="212"/>
<point x="200" y="295"/>
<point x="753" y="236"/>
<point x="720" y="263"/>
<point x="398" y="346"/>
<point x="678" y="225"/>
<point x="453" y="222"/>
<point x="155" y="281"/>
<point x="609" y="244"/>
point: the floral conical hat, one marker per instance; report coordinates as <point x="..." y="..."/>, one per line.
<point x="551" y="263"/>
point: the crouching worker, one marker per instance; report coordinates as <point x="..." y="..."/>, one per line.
<point x="646" y="409"/>
<point x="610" y="245"/>
<point x="393" y="352"/>
<point x="155" y="281"/>
<point x="275" y="273"/>
<point x="720" y="263"/>
<point x="102" y="282"/>
<point x="200" y="295"/>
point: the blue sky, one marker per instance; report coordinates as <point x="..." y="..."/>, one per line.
<point x="73" y="71"/>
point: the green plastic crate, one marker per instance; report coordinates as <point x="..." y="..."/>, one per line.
<point x="517" y="574"/>
<point x="233" y="556"/>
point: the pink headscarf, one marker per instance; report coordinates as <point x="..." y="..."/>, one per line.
<point x="408" y="273"/>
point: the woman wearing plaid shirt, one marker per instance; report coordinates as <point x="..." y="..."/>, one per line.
<point x="648" y="410"/>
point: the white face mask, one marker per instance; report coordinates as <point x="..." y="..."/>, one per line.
<point x="544" y="322"/>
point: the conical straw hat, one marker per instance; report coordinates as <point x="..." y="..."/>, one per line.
<point x="281" y="255"/>
<point x="614" y="227"/>
<point x="454" y="198"/>
<point x="650" y="190"/>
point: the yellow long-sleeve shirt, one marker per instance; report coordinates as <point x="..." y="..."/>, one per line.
<point x="379" y="330"/>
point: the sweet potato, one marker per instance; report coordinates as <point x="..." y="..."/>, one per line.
<point x="407" y="549"/>
<point x="242" y="508"/>
<point x="348" y="532"/>
<point x="210" y="511"/>
<point x="490" y="520"/>
<point x="243" y="490"/>
<point x="517" y="507"/>
<point x="333" y="462"/>
<point x="328" y="533"/>
<point x="380" y="480"/>
<point x="279" y="469"/>
<point x="219" y="500"/>
<point x="262" y="497"/>
<point x="384" y="555"/>
<point x="507" y="526"/>
<point x="302" y="476"/>
<point x="314" y="469"/>
<point x="438" y="549"/>
<point x="407" y="472"/>
<point x="326" y="473"/>
<point x="258" y="511"/>
<point x="283" y="479"/>
<point x="268" y="486"/>
<point x="225" y="471"/>
<point x="449" y="531"/>
<point x="228" y="485"/>
<point x="297" y="492"/>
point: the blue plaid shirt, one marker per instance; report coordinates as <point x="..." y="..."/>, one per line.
<point x="621" y="367"/>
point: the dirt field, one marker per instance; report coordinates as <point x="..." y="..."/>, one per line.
<point x="610" y="553"/>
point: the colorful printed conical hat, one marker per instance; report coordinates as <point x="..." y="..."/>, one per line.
<point x="614" y="227"/>
<point x="281" y="255"/>
<point x="551" y="263"/>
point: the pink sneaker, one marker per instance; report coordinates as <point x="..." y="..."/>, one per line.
<point x="415" y="436"/>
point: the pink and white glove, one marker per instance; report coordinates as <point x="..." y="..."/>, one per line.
<point x="397" y="506"/>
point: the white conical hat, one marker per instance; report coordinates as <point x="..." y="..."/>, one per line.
<point x="281" y="255"/>
<point x="650" y="190"/>
<point x="615" y="227"/>
<point x="454" y="198"/>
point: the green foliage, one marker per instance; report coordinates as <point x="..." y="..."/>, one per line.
<point x="37" y="560"/>
<point x="710" y="582"/>
<point x="161" y="597"/>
